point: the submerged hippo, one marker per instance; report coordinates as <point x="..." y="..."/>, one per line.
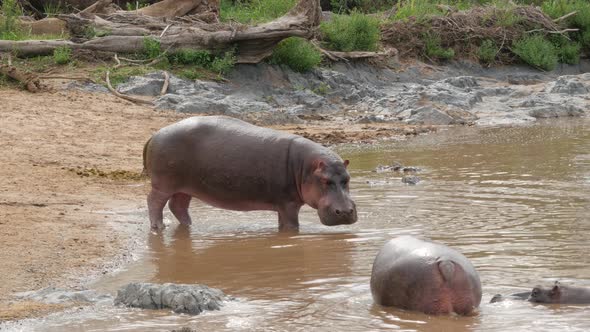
<point x="424" y="276"/>
<point x="560" y="294"/>
<point x="231" y="164"/>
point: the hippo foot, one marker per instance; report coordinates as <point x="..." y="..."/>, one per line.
<point x="157" y="228"/>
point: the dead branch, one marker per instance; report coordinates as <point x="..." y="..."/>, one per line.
<point x="29" y="80"/>
<point x="565" y="16"/>
<point x="122" y="96"/>
<point x="166" y="83"/>
<point x="65" y="77"/>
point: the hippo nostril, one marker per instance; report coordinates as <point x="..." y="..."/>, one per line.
<point x="351" y="211"/>
<point x="337" y="211"/>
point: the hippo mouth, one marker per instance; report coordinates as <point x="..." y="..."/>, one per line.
<point x="334" y="219"/>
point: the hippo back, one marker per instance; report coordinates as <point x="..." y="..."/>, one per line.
<point x="418" y="275"/>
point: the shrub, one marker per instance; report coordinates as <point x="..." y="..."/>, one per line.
<point x="569" y="53"/>
<point x="357" y="32"/>
<point x="62" y="55"/>
<point x="297" y="54"/>
<point x="223" y="65"/>
<point x="8" y="26"/>
<point x="191" y="57"/>
<point x="558" y="8"/>
<point x="536" y="51"/>
<point x="434" y="50"/>
<point x="487" y="51"/>
<point x="585" y="38"/>
<point x="151" y="47"/>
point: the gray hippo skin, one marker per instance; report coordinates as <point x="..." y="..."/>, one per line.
<point x="424" y="276"/>
<point x="231" y="164"/>
<point x="560" y="294"/>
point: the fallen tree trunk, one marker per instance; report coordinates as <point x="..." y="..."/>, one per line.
<point x="254" y="43"/>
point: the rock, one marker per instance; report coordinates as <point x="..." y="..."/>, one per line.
<point x="87" y="86"/>
<point x="570" y="86"/>
<point x="556" y="111"/>
<point x="462" y="82"/>
<point x="411" y="180"/>
<point x="54" y="295"/>
<point x="429" y="116"/>
<point x="190" y="299"/>
<point x="46" y="26"/>
<point x="371" y="119"/>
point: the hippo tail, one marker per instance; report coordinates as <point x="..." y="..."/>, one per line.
<point x="446" y="268"/>
<point x="145" y="147"/>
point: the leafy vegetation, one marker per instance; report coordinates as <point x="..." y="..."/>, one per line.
<point x="487" y="51"/>
<point x="434" y="50"/>
<point x="62" y="55"/>
<point x="354" y="32"/>
<point x="151" y="47"/>
<point x="296" y="53"/>
<point x="537" y="52"/>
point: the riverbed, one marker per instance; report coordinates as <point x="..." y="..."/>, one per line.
<point x="514" y="200"/>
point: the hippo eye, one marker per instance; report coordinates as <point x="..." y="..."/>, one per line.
<point x="344" y="182"/>
<point x="329" y="182"/>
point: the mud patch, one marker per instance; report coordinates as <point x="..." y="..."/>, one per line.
<point x="119" y="175"/>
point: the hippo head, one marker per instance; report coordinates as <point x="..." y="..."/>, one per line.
<point x="546" y="295"/>
<point x="325" y="188"/>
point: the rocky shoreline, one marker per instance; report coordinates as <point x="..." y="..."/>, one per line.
<point x="358" y="93"/>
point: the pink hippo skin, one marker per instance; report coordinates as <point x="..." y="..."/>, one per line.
<point x="231" y="164"/>
<point x="559" y="293"/>
<point x="423" y="276"/>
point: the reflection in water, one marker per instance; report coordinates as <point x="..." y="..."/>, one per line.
<point x="268" y="266"/>
<point x="515" y="201"/>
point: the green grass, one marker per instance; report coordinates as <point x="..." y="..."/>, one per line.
<point x="151" y="47"/>
<point x="119" y="75"/>
<point x="223" y="64"/>
<point x="51" y="9"/>
<point x="297" y="54"/>
<point x="254" y="11"/>
<point x="354" y="32"/>
<point x="191" y="57"/>
<point x="434" y="50"/>
<point x="537" y="52"/>
<point x="487" y="51"/>
<point x="62" y="55"/>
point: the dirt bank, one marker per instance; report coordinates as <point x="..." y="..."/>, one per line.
<point x="70" y="161"/>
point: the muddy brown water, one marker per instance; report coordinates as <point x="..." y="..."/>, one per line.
<point x="516" y="201"/>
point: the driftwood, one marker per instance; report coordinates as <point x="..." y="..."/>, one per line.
<point x="346" y="56"/>
<point x="30" y="80"/>
<point x="126" y="33"/>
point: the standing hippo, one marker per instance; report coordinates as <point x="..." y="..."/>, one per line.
<point x="231" y="164"/>
<point x="418" y="275"/>
<point x="560" y="294"/>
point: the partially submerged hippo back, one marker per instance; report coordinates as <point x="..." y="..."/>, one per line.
<point x="560" y="294"/>
<point x="424" y="276"/>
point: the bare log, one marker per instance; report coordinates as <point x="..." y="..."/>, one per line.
<point x="254" y="43"/>
<point x="30" y="80"/>
<point x="97" y="7"/>
<point x="175" y="8"/>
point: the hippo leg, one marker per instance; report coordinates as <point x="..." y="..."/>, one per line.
<point x="289" y="217"/>
<point x="156" y="201"/>
<point x="178" y="204"/>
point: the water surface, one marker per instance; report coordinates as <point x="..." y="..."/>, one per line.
<point x="515" y="201"/>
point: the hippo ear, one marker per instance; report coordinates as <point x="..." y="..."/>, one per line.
<point x="346" y="162"/>
<point x="555" y="289"/>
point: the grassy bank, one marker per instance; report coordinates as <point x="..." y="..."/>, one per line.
<point x="541" y="33"/>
